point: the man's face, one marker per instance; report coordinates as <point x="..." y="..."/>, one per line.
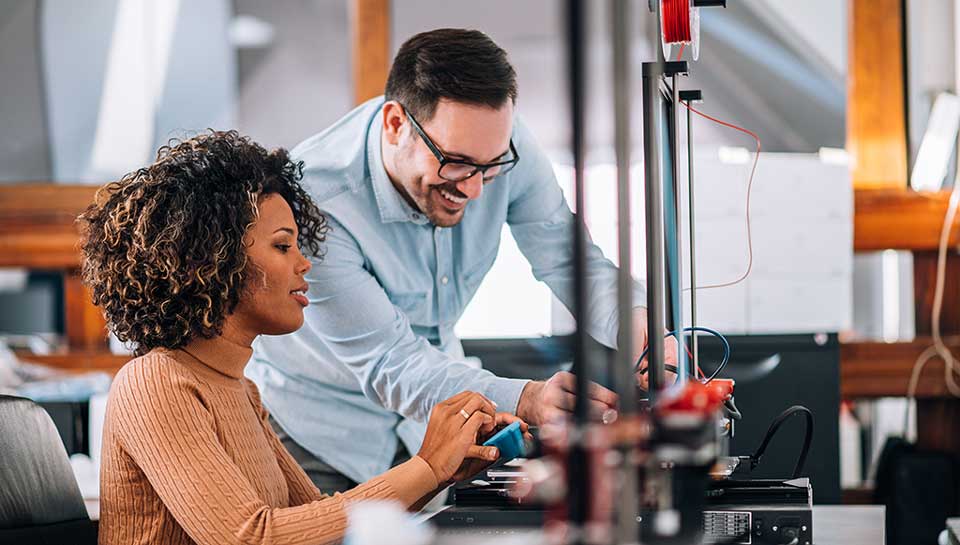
<point x="474" y="133"/>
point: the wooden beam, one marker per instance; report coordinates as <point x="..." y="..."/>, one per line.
<point x="84" y="322"/>
<point x="877" y="369"/>
<point x="38" y="224"/>
<point x="900" y="219"/>
<point x="370" y="40"/>
<point x="876" y="117"/>
<point x="44" y="201"/>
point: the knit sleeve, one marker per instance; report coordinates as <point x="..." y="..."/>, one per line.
<point x="162" y="422"/>
<point x="407" y="479"/>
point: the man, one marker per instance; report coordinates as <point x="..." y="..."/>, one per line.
<point x="416" y="186"/>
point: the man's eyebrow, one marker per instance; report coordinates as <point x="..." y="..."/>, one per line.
<point x="285" y="229"/>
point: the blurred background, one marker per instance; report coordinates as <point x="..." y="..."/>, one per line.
<point x="89" y="91"/>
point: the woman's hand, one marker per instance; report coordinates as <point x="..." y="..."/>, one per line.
<point x="453" y="431"/>
<point x="472" y="466"/>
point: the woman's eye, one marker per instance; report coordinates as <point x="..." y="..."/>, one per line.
<point x="283" y="247"/>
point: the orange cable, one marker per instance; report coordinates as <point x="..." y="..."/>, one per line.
<point x="753" y="171"/>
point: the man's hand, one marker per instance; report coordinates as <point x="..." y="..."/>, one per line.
<point x="542" y="402"/>
<point x="640" y="345"/>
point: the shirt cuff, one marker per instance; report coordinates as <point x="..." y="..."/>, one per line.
<point x="505" y="392"/>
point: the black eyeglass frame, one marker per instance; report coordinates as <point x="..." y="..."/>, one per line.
<point x="444" y="160"/>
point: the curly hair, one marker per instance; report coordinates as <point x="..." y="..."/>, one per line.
<point x="163" y="248"/>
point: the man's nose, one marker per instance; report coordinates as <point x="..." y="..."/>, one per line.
<point x="472" y="187"/>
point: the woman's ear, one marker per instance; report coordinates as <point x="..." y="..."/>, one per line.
<point x="394" y="119"/>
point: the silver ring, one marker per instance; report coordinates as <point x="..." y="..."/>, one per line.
<point x="464" y="414"/>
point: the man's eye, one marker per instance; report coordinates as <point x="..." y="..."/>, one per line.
<point x="283" y="247"/>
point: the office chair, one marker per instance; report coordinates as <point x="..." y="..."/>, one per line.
<point x="40" y="502"/>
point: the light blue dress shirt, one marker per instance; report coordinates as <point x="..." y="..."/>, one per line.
<point x="377" y="350"/>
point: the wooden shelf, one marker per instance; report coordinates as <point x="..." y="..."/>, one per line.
<point x="78" y="360"/>
<point x="878" y="369"/>
<point x="900" y="219"/>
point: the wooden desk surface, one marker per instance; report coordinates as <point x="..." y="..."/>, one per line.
<point x="832" y="525"/>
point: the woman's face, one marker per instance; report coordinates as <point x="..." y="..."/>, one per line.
<point x="276" y="292"/>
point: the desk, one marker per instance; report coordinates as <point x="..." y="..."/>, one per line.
<point x="832" y="525"/>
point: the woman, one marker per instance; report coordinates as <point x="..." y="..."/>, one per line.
<point x="192" y="258"/>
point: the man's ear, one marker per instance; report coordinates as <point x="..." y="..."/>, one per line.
<point x="394" y="118"/>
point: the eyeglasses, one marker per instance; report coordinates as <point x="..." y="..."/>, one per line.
<point x="455" y="170"/>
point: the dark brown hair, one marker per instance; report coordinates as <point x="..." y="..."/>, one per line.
<point x="163" y="248"/>
<point x="451" y="63"/>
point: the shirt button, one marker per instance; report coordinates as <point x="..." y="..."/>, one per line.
<point x="416" y="216"/>
<point x="444" y="280"/>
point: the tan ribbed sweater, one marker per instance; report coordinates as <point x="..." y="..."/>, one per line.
<point x="188" y="457"/>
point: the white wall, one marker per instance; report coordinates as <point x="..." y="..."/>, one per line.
<point x="122" y="76"/>
<point x="802" y="234"/>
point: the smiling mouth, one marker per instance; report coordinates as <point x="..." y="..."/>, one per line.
<point x="300" y="295"/>
<point x="453" y="199"/>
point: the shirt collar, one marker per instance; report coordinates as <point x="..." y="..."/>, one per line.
<point x="392" y="206"/>
<point x="220" y="354"/>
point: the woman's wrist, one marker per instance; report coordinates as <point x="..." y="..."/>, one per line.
<point x="412" y="480"/>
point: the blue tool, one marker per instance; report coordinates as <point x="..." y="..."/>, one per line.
<point x="510" y="442"/>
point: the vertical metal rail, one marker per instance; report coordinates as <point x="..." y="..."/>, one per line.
<point x="674" y="243"/>
<point x="621" y="20"/>
<point x="673" y="262"/>
<point x="627" y="529"/>
<point x="653" y="207"/>
<point x="693" y="246"/>
<point x="578" y="471"/>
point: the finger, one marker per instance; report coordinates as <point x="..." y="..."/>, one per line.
<point x="505" y="419"/>
<point x="483" y="453"/>
<point x="598" y="407"/>
<point x="471" y="427"/>
<point x="603" y="395"/>
<point x="670" y="350"/>
<point x="487" y="428"/>
<point x="477" y="402"/>
<point x="565" y="380"/>
<point x="456" y="399"/>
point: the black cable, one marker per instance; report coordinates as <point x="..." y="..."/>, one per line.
<point x="772" y="430"/>
<point x="717" y="334"/>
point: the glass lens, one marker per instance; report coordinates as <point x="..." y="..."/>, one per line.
<point x="492" y="173"/>
<point x="457" y="171"/>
